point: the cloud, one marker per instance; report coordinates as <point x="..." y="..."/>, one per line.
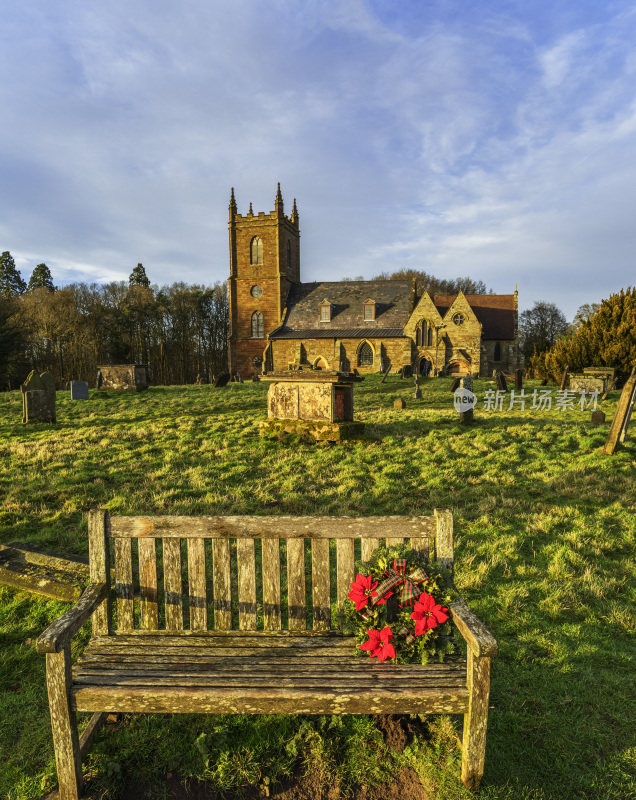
<point x="495" y="143"/>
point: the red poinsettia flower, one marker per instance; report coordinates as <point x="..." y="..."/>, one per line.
<point x="379" y="644"/>
<point x="362" y="591"/>
<point x="427" y="614"/>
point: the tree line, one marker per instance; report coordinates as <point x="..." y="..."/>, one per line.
<point x="180" y="331"/>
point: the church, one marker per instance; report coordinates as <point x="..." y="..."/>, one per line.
<point x="277" y="321"/>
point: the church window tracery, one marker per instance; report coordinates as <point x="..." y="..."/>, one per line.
<point x="258" y="329"/>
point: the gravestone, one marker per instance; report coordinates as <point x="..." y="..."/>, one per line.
<point x="455" y="384"/>
<point x="79" y="390"/>
<point x="518" y="379"/>
<point x="620" y="423"/>
<point x="598" y="417"/>
<point x="544" y="382"/>
<point x="418" y="391"/>
<point x="467" y="417"/>
<point x="388" y="369"/>
<point x="38" y="398"/>
<point x="399" y="403"/>
<point x="221" y="380"/>
<point x="501" y="382"/>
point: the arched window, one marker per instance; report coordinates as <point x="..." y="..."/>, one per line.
<point x="429" y="336"/>
<point x="258" y="331"/>
<point x="497" y="353"/>
<point x="365" y="355"/>
<point x="256" y="251"/>
<point x="288" y="256"/>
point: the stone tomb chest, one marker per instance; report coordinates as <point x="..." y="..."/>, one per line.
<point x="123" y="377"/>
<point x="317" y="402"/>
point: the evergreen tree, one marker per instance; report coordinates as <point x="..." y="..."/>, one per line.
<point x="11" y="282"/>
<point x="41" y="278"/>
<point x="138" y="277"/>
<point x="607" y="338"/>
<point x="13" y="366"/>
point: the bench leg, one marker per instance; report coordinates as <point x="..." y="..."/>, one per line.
<point x="475" y="721"/>
<point x="64" y="725"/>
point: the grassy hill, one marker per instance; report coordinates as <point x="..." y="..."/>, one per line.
<point x="545" y="528"/>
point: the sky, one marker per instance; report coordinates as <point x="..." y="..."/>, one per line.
<point x="495" y="140"/>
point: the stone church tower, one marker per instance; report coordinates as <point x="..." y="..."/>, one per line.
<point x="264" y="264"/>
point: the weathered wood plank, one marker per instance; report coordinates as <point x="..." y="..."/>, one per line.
<point x="197" y="585"/>
<point x="369" y="545"/>
<point x="99" y="565"/>
<point x="475" y="721"/>
<point x="190" y="700"/>
<point x="423" y="546"/>
<point x="173" y="590"/>
<point x="444" y="537"/>
<point x="324" y="681"/>
<point x="221" y="584"/>
<point x="149" y="617"/>
<point x="271" y="584"/>
<point x="345" y="569"/>
<point x="90" y="732"/>
<point x="283" y="527"/>
<point x="296" y="599"/>
<point x="394" y="541"/>
<point x="477" y="636"/>
<point x="246" y="584"/>
<point x="38" y="580"/>
<point x="124" y="590"/>
<point x="59" y="632"/>
<point x="320" y="584"/>
<point x="64" y="725"/>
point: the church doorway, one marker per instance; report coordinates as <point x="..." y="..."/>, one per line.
<point x="458" y="368"/>
<point x="426" y="365"/>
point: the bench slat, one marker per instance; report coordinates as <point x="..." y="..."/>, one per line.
<point x="283" y="527"/>
<point x="394" y="541"/>
<point x="271" y="584"/>
<point x="320" y="584"/>
<point x="221" y="584"/>
<point x="148" y="583"/>
<point x="246" y="584"/>
<point x="369" y="545"/>
<point x="172" y="584"/>
<point x="270" y="700"/>
<point x="197" y="585"/>
<point x="296" y="584"/>
<point x="124" y="591"/>
<point x="345" y="569"/>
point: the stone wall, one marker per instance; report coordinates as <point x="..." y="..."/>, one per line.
<point x="122" y="377"/>
<point x="341" y="354"/>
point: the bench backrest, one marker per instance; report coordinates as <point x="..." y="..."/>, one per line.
<point x="246" y="573"/>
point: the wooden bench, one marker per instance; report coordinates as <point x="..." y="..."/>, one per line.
<point x="191" y="594"/>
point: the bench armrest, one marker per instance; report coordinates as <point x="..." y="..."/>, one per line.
<point x="477" y="636"/>
<point x="60" y="632"/>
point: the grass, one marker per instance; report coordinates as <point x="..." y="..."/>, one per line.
<point x="544" y="546"/>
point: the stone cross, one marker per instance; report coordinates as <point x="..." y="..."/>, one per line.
<point x="418" y="391"/>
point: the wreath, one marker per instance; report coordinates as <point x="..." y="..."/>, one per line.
<point x="398" y="607"/>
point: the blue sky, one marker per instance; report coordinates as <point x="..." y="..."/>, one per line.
<point x="491" y="139"/>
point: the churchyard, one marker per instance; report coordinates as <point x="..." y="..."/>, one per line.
<point x="544" y="545"/>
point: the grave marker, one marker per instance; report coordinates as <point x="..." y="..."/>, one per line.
<point x="79" y="390"/>
<point x="418" y="391"/>
<point x="399" y="404"/>
<point x="38" y="398"/>
<point x="518" y="379"/>
<point x="618" y="429"/>
<point x="598" y="417"/>
<point x="221" y="380"/>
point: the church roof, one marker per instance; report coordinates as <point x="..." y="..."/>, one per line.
<point x="496" y="312"/>
<point x="347" y="298"/>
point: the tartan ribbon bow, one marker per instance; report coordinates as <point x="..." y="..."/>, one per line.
<point x="409" y="638"/>
<point x="396" y="576"/>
